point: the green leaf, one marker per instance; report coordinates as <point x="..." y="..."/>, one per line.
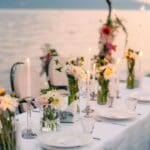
<point x="44" y="91"/>
<point x="59" y="69"/>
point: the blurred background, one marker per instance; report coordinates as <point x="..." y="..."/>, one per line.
<point x="70" y="26"/>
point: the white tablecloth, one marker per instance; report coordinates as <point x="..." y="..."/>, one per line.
<point x="135" y="135"/>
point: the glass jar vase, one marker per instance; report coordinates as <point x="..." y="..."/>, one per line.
<point x="50" y="119"/>
<point x="73" y="89"/>
<point x="103" y="90"/>
<point x="8" y="131"/>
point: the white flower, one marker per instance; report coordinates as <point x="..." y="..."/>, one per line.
<point x="76" y="71"/>
<point x="57" y="99"/>
<point x="7" y="102"/>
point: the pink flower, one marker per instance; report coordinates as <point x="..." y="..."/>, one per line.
<point x="110" y="46"/>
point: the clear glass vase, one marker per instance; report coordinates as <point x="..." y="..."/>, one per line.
<point x="133" y="76"/>
<point x="7" y="132"/>
<point x="8" y="141"/>
<point x="103" y="92"/>
<point x="73" y="89"/>
<point x="50" y="120"/>
<point x="134" y="70"/>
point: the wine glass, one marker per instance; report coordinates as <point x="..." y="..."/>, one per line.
<point x="88" y="110"/>
<point x="28" y="132"/>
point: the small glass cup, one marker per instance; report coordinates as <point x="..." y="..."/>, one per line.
<point x="50" y="120"/>
<point x="87" y="125"/>
<point x="131" y="104"/>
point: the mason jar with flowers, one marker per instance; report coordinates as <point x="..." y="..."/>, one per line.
<point x="51" y="102"/>
<point x="131" y="56"/>
<point x="8" y="107"/>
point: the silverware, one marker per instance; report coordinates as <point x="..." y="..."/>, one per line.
<point x="36" y="111"/>
<point x="96" y="138"/>
<point x="115" y="123"/>
<point x="92" y="128"/>
<point x="139" y="114"/>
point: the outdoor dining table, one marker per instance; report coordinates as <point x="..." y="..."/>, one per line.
<point x="133" y="134"/>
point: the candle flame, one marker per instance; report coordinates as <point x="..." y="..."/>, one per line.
<point x="28" y="60"/>
<point x="94" y="66"/>
<point x="90" y="49"/>
<point x="118" y="61"/>
<point x="141" y="53"/>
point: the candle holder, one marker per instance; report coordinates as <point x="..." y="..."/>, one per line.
<point x="28" y="133"/>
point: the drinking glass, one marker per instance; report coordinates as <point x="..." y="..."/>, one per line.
<point x="87" y="125"/>
<point x="131" y="103"/>
<point x="28" y="132"/>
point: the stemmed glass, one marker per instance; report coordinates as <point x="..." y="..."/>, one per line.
<point x="112" y="92"/>
<point x="28" y="132"/>
<point x="88" y="110"/>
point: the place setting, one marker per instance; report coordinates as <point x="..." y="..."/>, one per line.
<point x="142" y="96"/>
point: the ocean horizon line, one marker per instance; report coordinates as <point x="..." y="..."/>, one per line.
<point x="69" y="9"/>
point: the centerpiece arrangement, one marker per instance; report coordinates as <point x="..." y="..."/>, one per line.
<point x="75" y="72"/>
<point x="107" y="47"/>
<point x="106" y="72"/>
<point x="52" y="103"/>
<point x="7" y="122"/>
<point x="131" y="56"/>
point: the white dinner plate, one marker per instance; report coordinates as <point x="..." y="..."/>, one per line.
<point x="64" y="140"/>
<point x="141" y="96"/>
<point x="115" y="114"/>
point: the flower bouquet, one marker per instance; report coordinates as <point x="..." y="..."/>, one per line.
<point x="75" y="73"/>
<point x="108" y="33"/>
<point x="105" y="73"/>
<point x="48" y="53"/>
<point x="131" y="56"/>
<point x="52" y="103"/>
<point x="103" y="60"/>
<point x="7" y="123"/>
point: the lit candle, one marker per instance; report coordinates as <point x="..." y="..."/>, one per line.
<point x="28" y="77"/>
